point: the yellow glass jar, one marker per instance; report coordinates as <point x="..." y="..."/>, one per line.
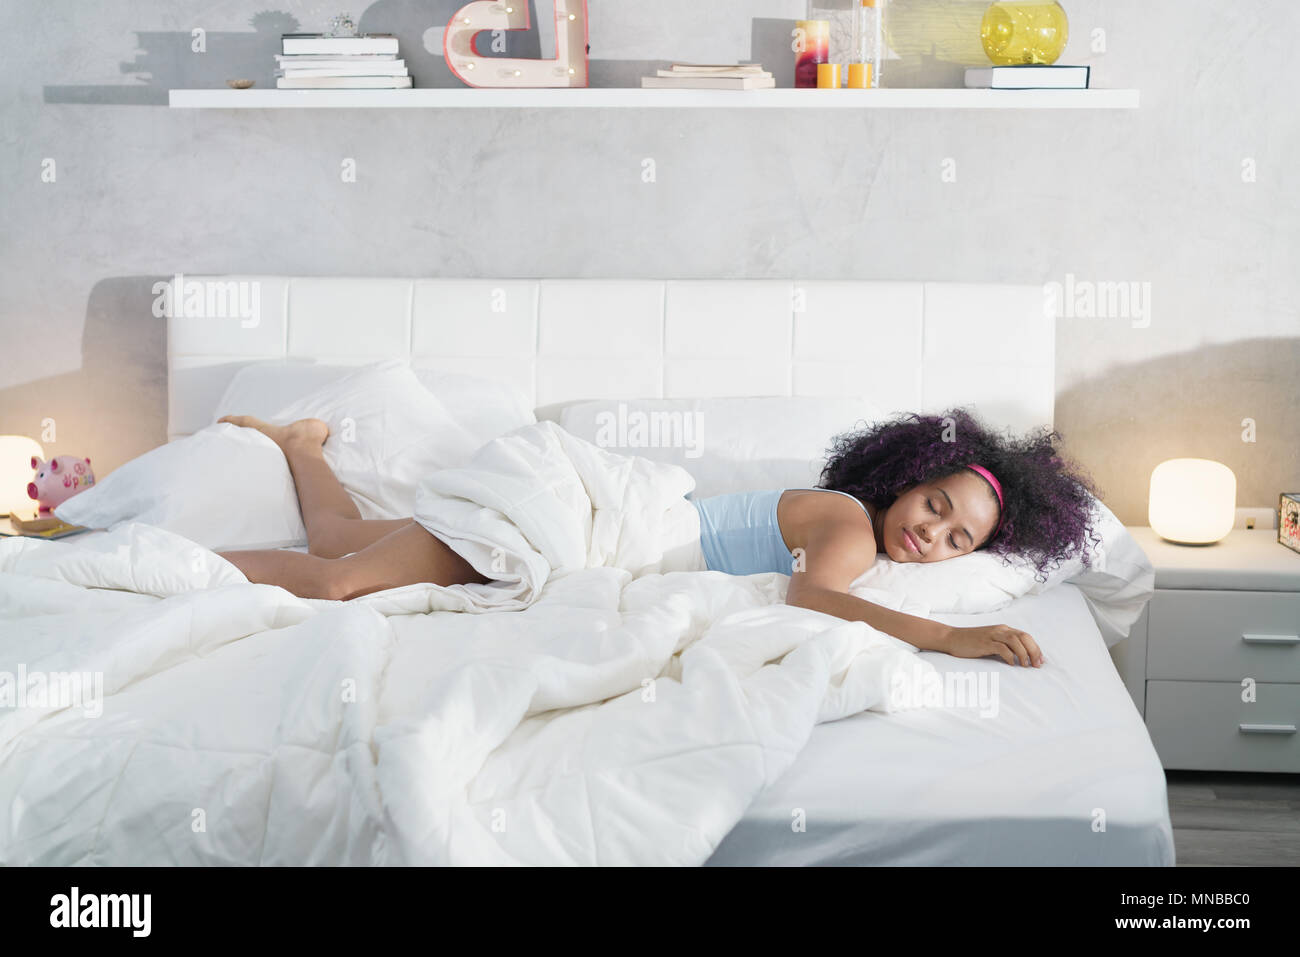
<point x="1024" y="31"/>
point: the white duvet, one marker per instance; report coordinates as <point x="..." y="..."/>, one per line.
<point x="617" y="716"/>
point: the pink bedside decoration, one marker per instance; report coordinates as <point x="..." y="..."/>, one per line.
<point x="59" y="479"/>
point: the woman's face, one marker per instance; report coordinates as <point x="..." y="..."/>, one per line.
<point x="941" y="519"/>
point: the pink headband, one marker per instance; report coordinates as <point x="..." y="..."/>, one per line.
<point x="997" y="487"/>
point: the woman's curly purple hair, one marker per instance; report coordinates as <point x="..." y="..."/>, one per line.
<point x="1048" y="512"/>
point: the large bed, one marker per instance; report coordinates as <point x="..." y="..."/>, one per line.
<point x="1062" y="773"/>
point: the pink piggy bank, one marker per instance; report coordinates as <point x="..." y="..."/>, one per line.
<point x="59" y="479"/>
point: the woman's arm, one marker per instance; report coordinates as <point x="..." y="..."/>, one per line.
<point x="922" y="632"/>
<point x="837" y="552"/>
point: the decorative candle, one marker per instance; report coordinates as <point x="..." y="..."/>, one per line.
<point x="812" y="46"/>
<point x="860" y="76"/>
<point x="828" y="76"/>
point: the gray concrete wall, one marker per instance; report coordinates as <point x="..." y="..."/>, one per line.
<point x="1196" y="194"/>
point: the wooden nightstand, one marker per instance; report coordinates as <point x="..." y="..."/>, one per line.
<point x="1222" y="615"/>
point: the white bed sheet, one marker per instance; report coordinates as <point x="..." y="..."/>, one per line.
<point x="1066" y="774"/>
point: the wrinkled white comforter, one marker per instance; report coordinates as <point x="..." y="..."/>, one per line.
<point x="618" y="717"/>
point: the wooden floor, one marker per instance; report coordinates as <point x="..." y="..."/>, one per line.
<point x="1227" y="819"/>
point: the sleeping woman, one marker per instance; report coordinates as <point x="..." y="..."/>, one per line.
<point x="914" y="489"/>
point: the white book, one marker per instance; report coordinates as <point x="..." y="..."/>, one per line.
<point x="715" y="73"/>
<point x="332" y="56"/>
<point x="316" y="43"/>
<point x="344" y="83"/>
<point x="334" y="59"/>
<point x="707" y="83"/>
<point x="716" y="68"/>
<point x="1029" y="77"/>
<point x="392" y="68"/>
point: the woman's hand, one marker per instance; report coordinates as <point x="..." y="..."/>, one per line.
<point x="1004" y="641"/>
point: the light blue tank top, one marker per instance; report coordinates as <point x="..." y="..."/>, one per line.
<point x="740" y="535"/>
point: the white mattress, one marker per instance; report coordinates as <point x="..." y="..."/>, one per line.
<point x="1065" y="774"/>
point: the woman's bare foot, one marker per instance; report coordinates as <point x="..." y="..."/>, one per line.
<point x="311" y="432"/>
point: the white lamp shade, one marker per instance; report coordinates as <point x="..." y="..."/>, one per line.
<point x="16" y="453"/>
<point x="1192" y="501"/>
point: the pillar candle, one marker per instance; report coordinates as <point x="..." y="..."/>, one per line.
<point x="812" y="46"/>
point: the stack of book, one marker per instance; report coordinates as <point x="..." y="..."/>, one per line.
<point x="313" y="61"/>
<point x="710" y="76"/>
<point x="31" y="523"/>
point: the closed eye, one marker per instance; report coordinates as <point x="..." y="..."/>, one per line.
<point x="929" y="503"/>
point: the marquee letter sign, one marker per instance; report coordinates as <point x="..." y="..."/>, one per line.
<point x="569" y="68"/>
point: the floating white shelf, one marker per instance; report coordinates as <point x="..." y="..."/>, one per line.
<point x="621" y="98"/>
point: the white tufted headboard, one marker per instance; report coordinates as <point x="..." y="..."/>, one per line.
<point x="907" y="346"/>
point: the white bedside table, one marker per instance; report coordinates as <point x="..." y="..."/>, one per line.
<point x="1221" y="614"/>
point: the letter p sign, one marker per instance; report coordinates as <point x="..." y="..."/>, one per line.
<point x="569" y="68"/>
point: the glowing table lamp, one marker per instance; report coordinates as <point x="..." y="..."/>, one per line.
<point x="16" y="471"/>
<point x="1192" y="501"/>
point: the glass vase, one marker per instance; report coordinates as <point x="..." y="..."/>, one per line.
<point x="1017" y="32"/>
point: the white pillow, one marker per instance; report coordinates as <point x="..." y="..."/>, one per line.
<point x="1117" y="586"/>
<point x="387" y="431"/>
<point x="262" y="389"/>
<point x="727" y="445"/>
<point x="227" y="487"/>
<point x="224" y="487"/>
<point x="486" y="407"/>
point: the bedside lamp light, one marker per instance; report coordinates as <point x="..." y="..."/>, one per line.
<point x="1192" y="501"/>
<point x="16" y="453"/>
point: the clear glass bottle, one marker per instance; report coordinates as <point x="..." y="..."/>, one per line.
<point x="868" y="41"/>
<point x="863" y="42"/>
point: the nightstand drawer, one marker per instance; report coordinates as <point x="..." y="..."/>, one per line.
<point x="1223" y="635"/>
<point x="1205" y="726"/>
